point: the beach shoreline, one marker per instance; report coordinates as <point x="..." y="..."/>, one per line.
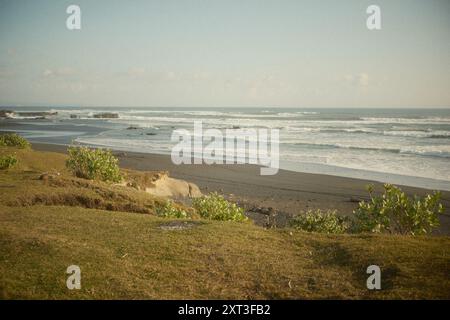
<point x="384" y="152"/>
<point x="276" y="197"/>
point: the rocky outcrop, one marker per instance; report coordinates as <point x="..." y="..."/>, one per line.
<point x="158" y="183"/>
<point x="173" y="188"/>
<point x="31" y="115"/>
<point x="37" y="114"/>
<point x="6" y="114"/>
<point x="106" y="115"/>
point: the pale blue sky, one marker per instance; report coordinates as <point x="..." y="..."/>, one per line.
<point x="225" y="53"/>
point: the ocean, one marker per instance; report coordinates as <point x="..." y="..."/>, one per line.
<point x="402" y="146"/>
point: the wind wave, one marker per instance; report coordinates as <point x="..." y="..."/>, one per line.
<point x="433" y="151"/>
<point x="427" y="120"/>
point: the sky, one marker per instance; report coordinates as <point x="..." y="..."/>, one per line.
<point x="225" y="53"/>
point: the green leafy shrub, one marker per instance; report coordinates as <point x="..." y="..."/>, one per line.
<point x="7" y="162"/>
<point x="395" y="212"/>
<point x="323" y="222"/>
<point x="215" y="207"/>
<point x="96" y="164"/>
<point x="169" y="210"/>
<point x="13" y="140"/>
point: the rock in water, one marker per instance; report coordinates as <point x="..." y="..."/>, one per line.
<point x="106" y="115"/>
<point x="6" y="114"/>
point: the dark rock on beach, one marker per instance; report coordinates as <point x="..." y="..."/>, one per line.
<point x="263" y="210"/>
<point x="355" y="200"/>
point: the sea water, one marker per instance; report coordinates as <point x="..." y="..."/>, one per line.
<point x="405" y="146"/>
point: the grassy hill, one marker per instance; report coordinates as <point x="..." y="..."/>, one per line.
<point x="124" y="251"/>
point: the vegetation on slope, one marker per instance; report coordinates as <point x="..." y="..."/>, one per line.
<point x="13" y="140"/>
<point x="391" y="212"/>
<point x="93" y="164"/>
<point x="7" y="162"/>
<point x="127" y="255"/>
<point x="40" y="178"/>
<point x="50" y="219"/>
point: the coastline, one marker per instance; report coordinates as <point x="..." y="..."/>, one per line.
<point x="64" y="131"/>
<point x="287" y="192"/>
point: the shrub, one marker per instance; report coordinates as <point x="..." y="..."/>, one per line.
<point x="13" y="140"/>
<point x="96" y="164"/>
<point x="169" y="210"/>
<point x="215" y="207"/>
<point x="7" y="162"/>
<point x="323" y="222"/>
<point x="395" y="212"/>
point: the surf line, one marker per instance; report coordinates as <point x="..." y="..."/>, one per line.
<point x="236" y="146"/>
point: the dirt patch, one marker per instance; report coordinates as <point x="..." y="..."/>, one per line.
<point x="179" y="225"/>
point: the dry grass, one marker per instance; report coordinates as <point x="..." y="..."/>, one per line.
<point x="125" y="255"/>
<point x="45" y="226"/>
<point x="41" y="178"/>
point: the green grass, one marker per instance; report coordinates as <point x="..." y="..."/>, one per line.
<point x="127" y="255"/>
<point x="25" y="185"/>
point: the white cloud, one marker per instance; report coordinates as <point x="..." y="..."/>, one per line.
<point x="47" y="73"/>
<point x="361" y="79"/>
<point x="60" y="72"/>
<point x="136" y="72"/>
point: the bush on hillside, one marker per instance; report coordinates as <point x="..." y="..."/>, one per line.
<point x="7" y="162"/>
<point x="94" y="164"/>
<point x="395" y="212"/>
<point x="322" y="222"/>
<point x="170" y="210"/>
<point x="215" y="207"/>
<point x="13" y="140"/>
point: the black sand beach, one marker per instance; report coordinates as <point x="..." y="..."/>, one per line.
<point x="272" y="199"/>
